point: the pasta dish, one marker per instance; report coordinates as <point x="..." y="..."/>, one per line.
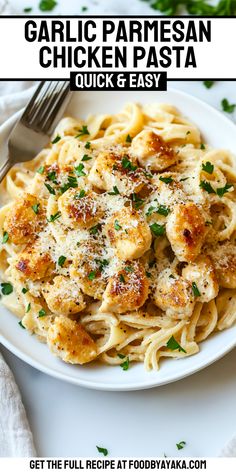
<point x="118" y="239"/>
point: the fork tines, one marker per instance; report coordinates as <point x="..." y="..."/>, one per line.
<point x="42" y="109"/>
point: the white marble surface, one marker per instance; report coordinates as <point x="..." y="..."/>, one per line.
<point x="70" y="421"/>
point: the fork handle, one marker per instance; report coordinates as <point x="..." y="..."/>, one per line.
<point x="5" y="168"/>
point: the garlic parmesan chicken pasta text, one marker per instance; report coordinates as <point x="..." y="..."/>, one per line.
<point x="118" y="240"/>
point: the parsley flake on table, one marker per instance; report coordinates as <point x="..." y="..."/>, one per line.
<point x="27" y="9"/>
<point x="180" y="445"/>
<point x="56" y="139"/>
<point x="208" y="83"/>
<point x="158" y="230"/>
<point x="54" y="217"/>
<point x="6" y="288"/>
<point x="222" y="190"/>
<point x="47" y="5"/>
<point x="226" y="106"/>
<point x="84" y="8"/>
<point x="166" y="180"/>
<point x="5" y="237"/>
<point x="206" y="186"/>
<point x="195" y="290"/>
<point x="83" y="131"/>
<point x="102" y="450"/>
<point x="208" y="167"/>
<point x="61" y="261"/>
<point x="173" y="345"/>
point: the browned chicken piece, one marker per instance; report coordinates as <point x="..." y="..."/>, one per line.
<point x="80" y="211"/>
<point x="224" y="260"/>
<point x="201" y="273"/>
<point x="111" y="170"/>
<point x="174" y="295"/>
<point x="129" y="233"/>
<point x="152" y="151"/>
<point x="186" y="231"/>
<point x="63" y="296"/>
<point x="127" y="290"/>
<point x="87" y="269"/>
<point x="33" y="263"/>
<point x="68" y="340"/>
<point x="25" y="219"/>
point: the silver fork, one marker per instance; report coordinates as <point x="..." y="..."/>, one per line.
<point x="33" y="130"/>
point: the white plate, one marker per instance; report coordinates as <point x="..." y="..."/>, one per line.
<point x="218" y="131"/>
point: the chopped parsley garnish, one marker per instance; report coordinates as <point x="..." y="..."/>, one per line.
<point x="202" y="146"/>
<point x="92" y="275"/>
<point x="206" y="186"/>
<point x="83" y="131"/>
<point x="5" y="237"/>
<point x="227" y="107"/>
<point x="115" y="191"/>
<point x="180" y="445"/>
<point x="127" y="164"/>
<point x="166" y="180"/>
<point x="6" y="288"/>
<point x="28" y="308"/>
<point x="35" y="208"/>
<point x="42" y="313"/>
<point x="121" y="356"/>
<point x="121" y="278"/>
<point x="208" y="83"/>
<point x="222" y="190"/>
<point x="125" y="364"/>
<point x="128" y="139"/>
<point x="61" y="261"/>
<point x="173" y="345"/>
<point x="102" y="264"/>
<point x="81" y="194"/>
<point x="50" y="189"/>
<point x="52" y="176"/>
<point x="71" y="183"/>
<point x="56" y="139"/>
<point x="195" y="290"/>
<point x="86" y="158"/>
<point x="208" y="167"/>
<point x="41" y="170"/>
<point x="117" y="226"/>
<point x="138" y="202"/>
<point x="24" y="290"/>
<point x="21" y="324"/>
<point x="54" y="217"/>
<point x="129" y="269"/>
<point x="87" y="145"/>
<point x="79" y="170"/>
<point x="94" y="229"/>
<point x="183" y="179"/>
<point x="27" y="9"/>
<point x="47" y="5"/>
<point x="162" y="210"/>
<point x="158" y="230"/>
<point x="102" y="450"/>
